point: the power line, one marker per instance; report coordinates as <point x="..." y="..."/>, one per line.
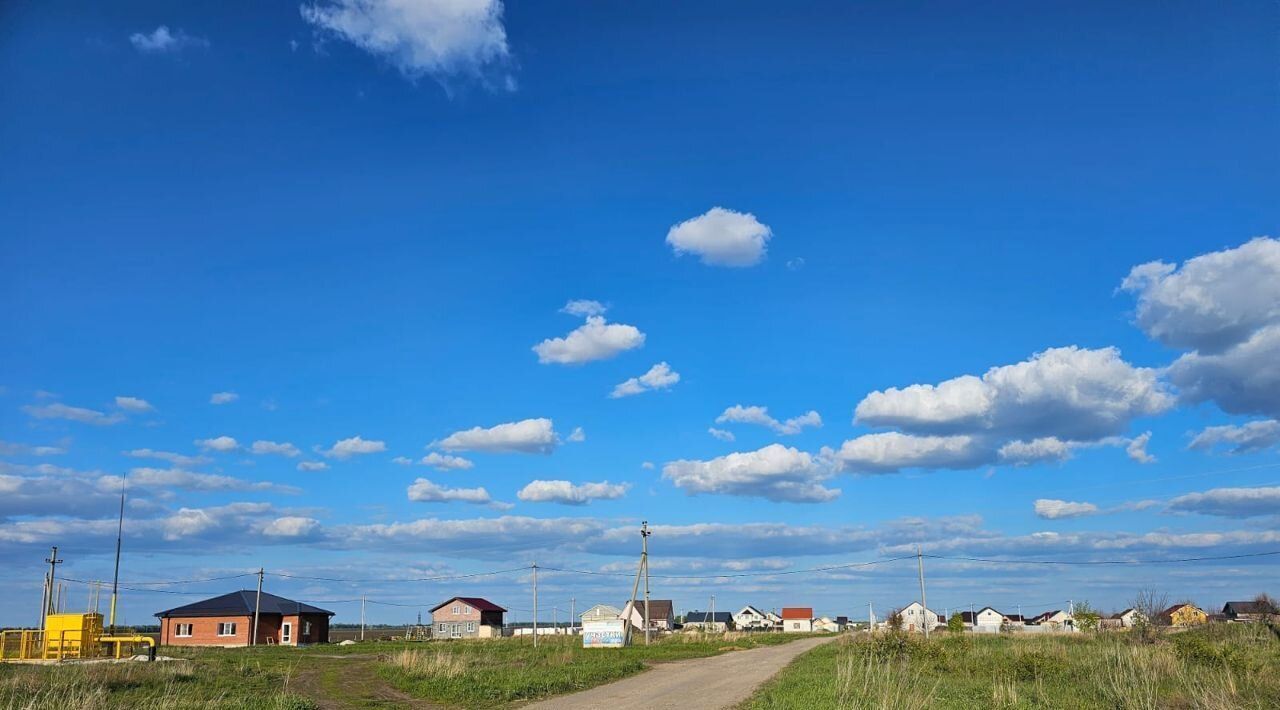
<point x="1105" y="562"/>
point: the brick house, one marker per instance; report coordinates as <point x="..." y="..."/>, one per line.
<point x="662" y="612"/>
<point x="228" y="620"/>
<point x="466" y="617"/>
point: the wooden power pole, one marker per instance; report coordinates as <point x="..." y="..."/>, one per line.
<point x="923" y="599"/>
<point x="257" y="607"/>
<point x="644" y="562"/>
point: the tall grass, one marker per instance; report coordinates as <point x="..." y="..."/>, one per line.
<point x="877" y="683"/>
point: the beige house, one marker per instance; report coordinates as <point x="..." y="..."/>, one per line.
<point x="662" y="612"/>
<point x="466" y="617"/>
<point x="601" y="612"/>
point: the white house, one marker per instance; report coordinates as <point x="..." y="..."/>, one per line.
<point x="750" y="618"/>
<point x="916" y="618"/>
<point x="826" y="624"/>
<point x="797" y="620"/>
<point x="1056" y="619"/>
<point x="1129" y="617"/>
<point x="775" y="621"/>
<point x="987" y="620"/>
<point x="601" y="612"/>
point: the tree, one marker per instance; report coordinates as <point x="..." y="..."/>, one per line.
<point x="895" y="620"/>
<point x="956" y="623"/>
<point x="1086" y="617"/>
<point x="1147" y="605"/>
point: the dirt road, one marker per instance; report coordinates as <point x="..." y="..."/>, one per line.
<point x="697" y="684"/>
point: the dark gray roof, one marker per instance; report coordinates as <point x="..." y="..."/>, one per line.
<point x="1244" y="608"/>
<point x="701" y="617"/>
<point x="241" y="604"/>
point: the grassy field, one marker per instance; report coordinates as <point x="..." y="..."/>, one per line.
<point x="1216" y="668"/>
<point x="469" y="674"/>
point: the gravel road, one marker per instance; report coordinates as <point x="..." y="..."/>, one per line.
<point x="697" y="684"/>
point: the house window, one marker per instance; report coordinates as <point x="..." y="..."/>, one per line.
<point x="455" y="609"/>
<point x="466" y="609"/>
<point x="471" y="627"/>
<point x="226" y="628"/>
<point x="183" y="630"/>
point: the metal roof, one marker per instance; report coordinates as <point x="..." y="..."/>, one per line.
<point x="241" y="603"/>
<point x="474" y="602"/>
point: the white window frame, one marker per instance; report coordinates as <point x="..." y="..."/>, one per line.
<point x="180" y="628"/>
<point x="455" y="610"/>
<point x="286" y="632"/>
<point x="456" y="631"/>
<point x="466" y="609"/>
<point x="226" y="628"/>
<point x="471" y="627"/>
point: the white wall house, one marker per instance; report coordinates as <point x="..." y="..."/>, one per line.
<point x="750" y="618"/>
<point x="916" y="618"/>
<point x="1129" y="617"/>
<point x="797" y="620"/>
<point x="601" y="612"/>
<point x="826" y="624"/>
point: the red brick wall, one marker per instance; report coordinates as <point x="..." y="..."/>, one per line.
<point x="445" y="613"/>
<point x="204" y="631"/>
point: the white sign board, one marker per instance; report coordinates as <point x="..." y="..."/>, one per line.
<point x="606" y="633"/>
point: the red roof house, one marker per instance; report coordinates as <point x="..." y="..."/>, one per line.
<point x="466" y="617"/>
<point x="797" y="619"/>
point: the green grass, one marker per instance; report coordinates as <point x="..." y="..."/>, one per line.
<point x="1216" y="667"/>
<point x="481" y="674"/>
<point x="470" y="674"/>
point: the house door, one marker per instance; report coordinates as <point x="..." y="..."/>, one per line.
<point x="457" y="631"/>
<point x="286" y="633"/>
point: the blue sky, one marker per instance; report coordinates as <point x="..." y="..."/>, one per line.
<point x="368" y="239"/>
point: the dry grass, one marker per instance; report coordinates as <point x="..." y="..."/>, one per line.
<point x="876" y="683"/>
<point x="430" y="664"/>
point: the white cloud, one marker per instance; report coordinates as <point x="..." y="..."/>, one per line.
<point x="444" y="462"/>
<point x="223" y="397"/>
<point x="291" y="526"/>
<point x="889" y="452"/>
<point x="1070" y="393"/>
<point x="721" y="434"/>
<point x="283" y="448"/>
<point x="722" y="237"/>
<point x="9" y="448"/>
<point x="1244" y="379"/>
<point x="173" y="458"/>
<point x="478" y="537"/>
<point x="1047" y="448"/>
<point x="1230" y="502"/>
<point x="569" y="494"/>
<point x="647" y="465"/>
<point x="775" y="472"/>
<point x="659" y="377"/>
<point x="1051" y="509"/>
<point x="162" y="39"/>
<point x="58" y="410"/>
<point x="133" y="404"/>
<point x="424" y="491"/>
<point x="1136" y="448"/>
<point x="221" y="444"/>
<point x="1215" y="301"/>
<point x="584" y="308"/>
<point x="187" y="480"/>
<point x="528" y="436"/>
<point x="312" y="466"/>
<point x="354" y="446"/>
<point x="402" y="461"/>
<point x="1245" y="438"/>
<point x="593" y="340"/>
<point x="420" y="37"/>
<point x="760" y="415"/>
<point x="577" y="436"/>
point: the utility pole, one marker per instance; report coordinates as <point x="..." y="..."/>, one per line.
<point x="361" y="616"/>
<point x="535" y="604"/>
<point x="53" y="561"/>
<point x="115" y="579"/>
<point x="923" y="602"/>
<point x="644" y="561"/>
<point x="871" y="618"/>
<point x="631" y="606"/>
<point x="713" y="611"/>
<point x="257" y="606"/>
<point x="573" y="615"/>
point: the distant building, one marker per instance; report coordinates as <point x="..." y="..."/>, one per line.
<point x="466" y="617"/>
<point x="826" y="624"/>
<point x="1185" y="614"/>
<point x="709" y="621"/>
<point x="228" y="621"/>
<point x="601" y="612"/>
<point x="662" y="612"/>
<point x="987" y="620"/>
<point x="1128" y="618"/>
<point x="750" y="618"/>
<point x="916" y="618"/>
<point x="1247" y="611"/>
<point x="1056" y="619"/>
<point x="797" y="619"/>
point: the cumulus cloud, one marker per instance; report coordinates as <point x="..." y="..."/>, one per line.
<point x="528" y="436"/>
<point x="584" y="308"/>
<point x="444" y="462"/>
<point x="496" y="538"/>
<point x="180" y="460"/>
<point x="722" y="237"/>
<point x="281" y="448"/>
<point x="222" y="444"/>
<point x="1070" y="393"/>
<point x="1240" y="439"/>
<point x="775" y="472"/>
<point x="659" y="377"/>
<point x="570" y="494"/>
<point x="721" y="434"/>
<point x="424" y="491"/>
<point x="760" y="415"/>
<point x="312" y="466"/>
<point x="291" y="526"/>
<point x="134" y="405"/>
<point x="187" y="480"/>
<point x="162" y="39"/>
<point x="440" y="38"/>
<point x="1136" y="448"/>
<point x="53" y="495"/>
<point x="223" y="397"/>
<point x="354" y="446"/>
<point x="58" y="410"/>
<point x="1052" y="509"/>
<point x="1048" y="448"/>
<point x="889" y="452"/>
<point x="9" y="448"/>
<point x="1223" y="307"/>
<point x="593" y="340"/>
<point x="577" y="436"/>
<point x="1230" y="502"/>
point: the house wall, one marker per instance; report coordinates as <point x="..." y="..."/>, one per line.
<point x="1188" y="616"/>
<point x="301" y="634"/>
<point x="797" y="626"/>
<point x="204" y="631"/>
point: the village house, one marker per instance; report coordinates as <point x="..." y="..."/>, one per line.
<point x="466" y="617"/>
<point x="1056" y="619"/>
<point x="775" y="621"/>
<point x="826" y="624"/>
<point x="662" y="611"/>
<point x="1015" y="620"/>
<point x="986" y="620"/>
<point x="797" y="619"/>
<point x="228" y="621"/>
<point x="601" y="612"/>
<point x="709" y="621"/>
<point x="1247" y="611"/>
<point x="1184" y="614"/>
<point x="750" y="618"/>
<point x="1128" y="618"/>
<point x="916" y="618"/>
